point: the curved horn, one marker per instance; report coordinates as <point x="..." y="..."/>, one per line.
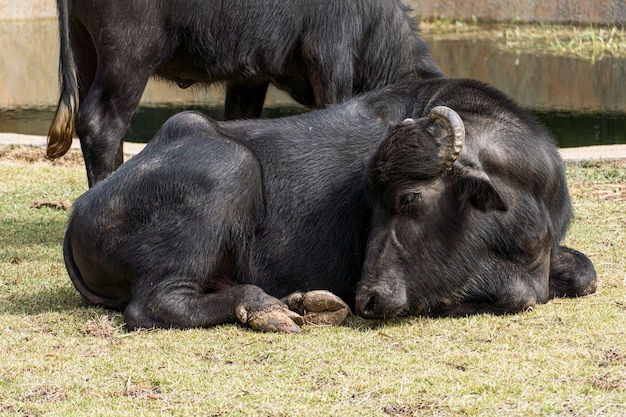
<point x="456" y="132"/>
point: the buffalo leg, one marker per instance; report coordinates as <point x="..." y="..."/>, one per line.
<point x="102" y="121"/>
<point x="192" y="273"/>
<point x="510" y="289"/>
<point x="244" y="100"/>
<point x="571" y="274"/>
<point x="182" y="304"/>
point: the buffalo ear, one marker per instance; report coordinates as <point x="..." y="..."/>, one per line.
<point x="475" y="186"/>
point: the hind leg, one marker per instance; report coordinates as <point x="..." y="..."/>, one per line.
<point x="571" y="274"/>
<point x="112" y="82"/>
<point x="104" y="117"/>
<point x="191" y="265"/>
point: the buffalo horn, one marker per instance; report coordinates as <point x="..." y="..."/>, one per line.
<point x="456" y="132"/>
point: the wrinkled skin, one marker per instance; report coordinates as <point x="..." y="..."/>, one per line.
<point x="226" y="222"/>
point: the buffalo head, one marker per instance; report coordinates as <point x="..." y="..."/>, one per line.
<point x="440" y="239"/>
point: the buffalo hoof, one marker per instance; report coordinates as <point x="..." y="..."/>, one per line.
<point x="274" y="318"/>
<point x="318" y="307"/>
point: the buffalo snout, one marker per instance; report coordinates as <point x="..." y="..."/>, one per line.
<point x="380" y="302"/>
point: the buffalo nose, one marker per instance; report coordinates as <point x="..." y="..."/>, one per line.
<point x="381" y="301"/>
<point x="367" y="304"/>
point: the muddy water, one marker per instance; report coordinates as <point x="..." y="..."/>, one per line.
<point x="582" y="103"/>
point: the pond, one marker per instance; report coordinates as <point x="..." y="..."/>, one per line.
<point x="570" y="130"/>
<point x="581" y="103"/>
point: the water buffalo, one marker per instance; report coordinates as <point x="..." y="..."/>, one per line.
<point x="437" y="197"/>
<point x="320" y="52"/>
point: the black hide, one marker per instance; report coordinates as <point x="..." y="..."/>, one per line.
<point x="215" y="218"/>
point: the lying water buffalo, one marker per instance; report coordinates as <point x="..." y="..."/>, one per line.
<point x="321" y="52"/>
<point x="435" y="197"/>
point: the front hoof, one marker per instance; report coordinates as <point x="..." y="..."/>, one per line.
<point x="272" y="319"/>
<point x="319" y="307"/>
<point x="327" y="318"/>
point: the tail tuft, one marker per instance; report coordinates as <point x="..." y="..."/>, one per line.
<point x="61" y="129"/>
<point x="62" y="126"/>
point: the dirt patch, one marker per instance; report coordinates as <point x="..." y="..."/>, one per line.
<point x="44" y="393"/>
<point x="56" y="204"/>
<point x="37" y="155"/>
<point x="609" y="382"/>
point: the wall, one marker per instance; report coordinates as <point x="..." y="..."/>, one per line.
<point x="561" y="11"/>
<point x="21" y="9"/>
<point x="602" y="12"/>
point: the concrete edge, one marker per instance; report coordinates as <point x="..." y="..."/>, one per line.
<point x="585" y="153"/>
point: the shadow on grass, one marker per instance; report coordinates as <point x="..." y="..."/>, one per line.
<point x="27" y="233"/>
<point x="66" y="299"/>
<point x="61" y="299"/>
<point x="359" y="323"/>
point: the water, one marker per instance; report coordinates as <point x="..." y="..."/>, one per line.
<point x="147" y="120"/>
<point x="570" y="130"/>
<point x="580" y="102"/>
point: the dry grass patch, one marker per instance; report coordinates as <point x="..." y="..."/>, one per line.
<point x="103" y="327"/>
<point x="37" y="155"/>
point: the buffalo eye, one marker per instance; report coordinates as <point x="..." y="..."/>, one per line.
<point x="408" y="202"/>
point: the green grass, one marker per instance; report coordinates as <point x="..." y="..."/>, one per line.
<point x="61" y="357"/>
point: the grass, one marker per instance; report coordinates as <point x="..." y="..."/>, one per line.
<point x="587" y="42"/>
<point x="61" y="357"/>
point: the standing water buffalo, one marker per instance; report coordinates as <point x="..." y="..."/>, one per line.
<point x="393" y="201"/>
<point x="320" y="52"/>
